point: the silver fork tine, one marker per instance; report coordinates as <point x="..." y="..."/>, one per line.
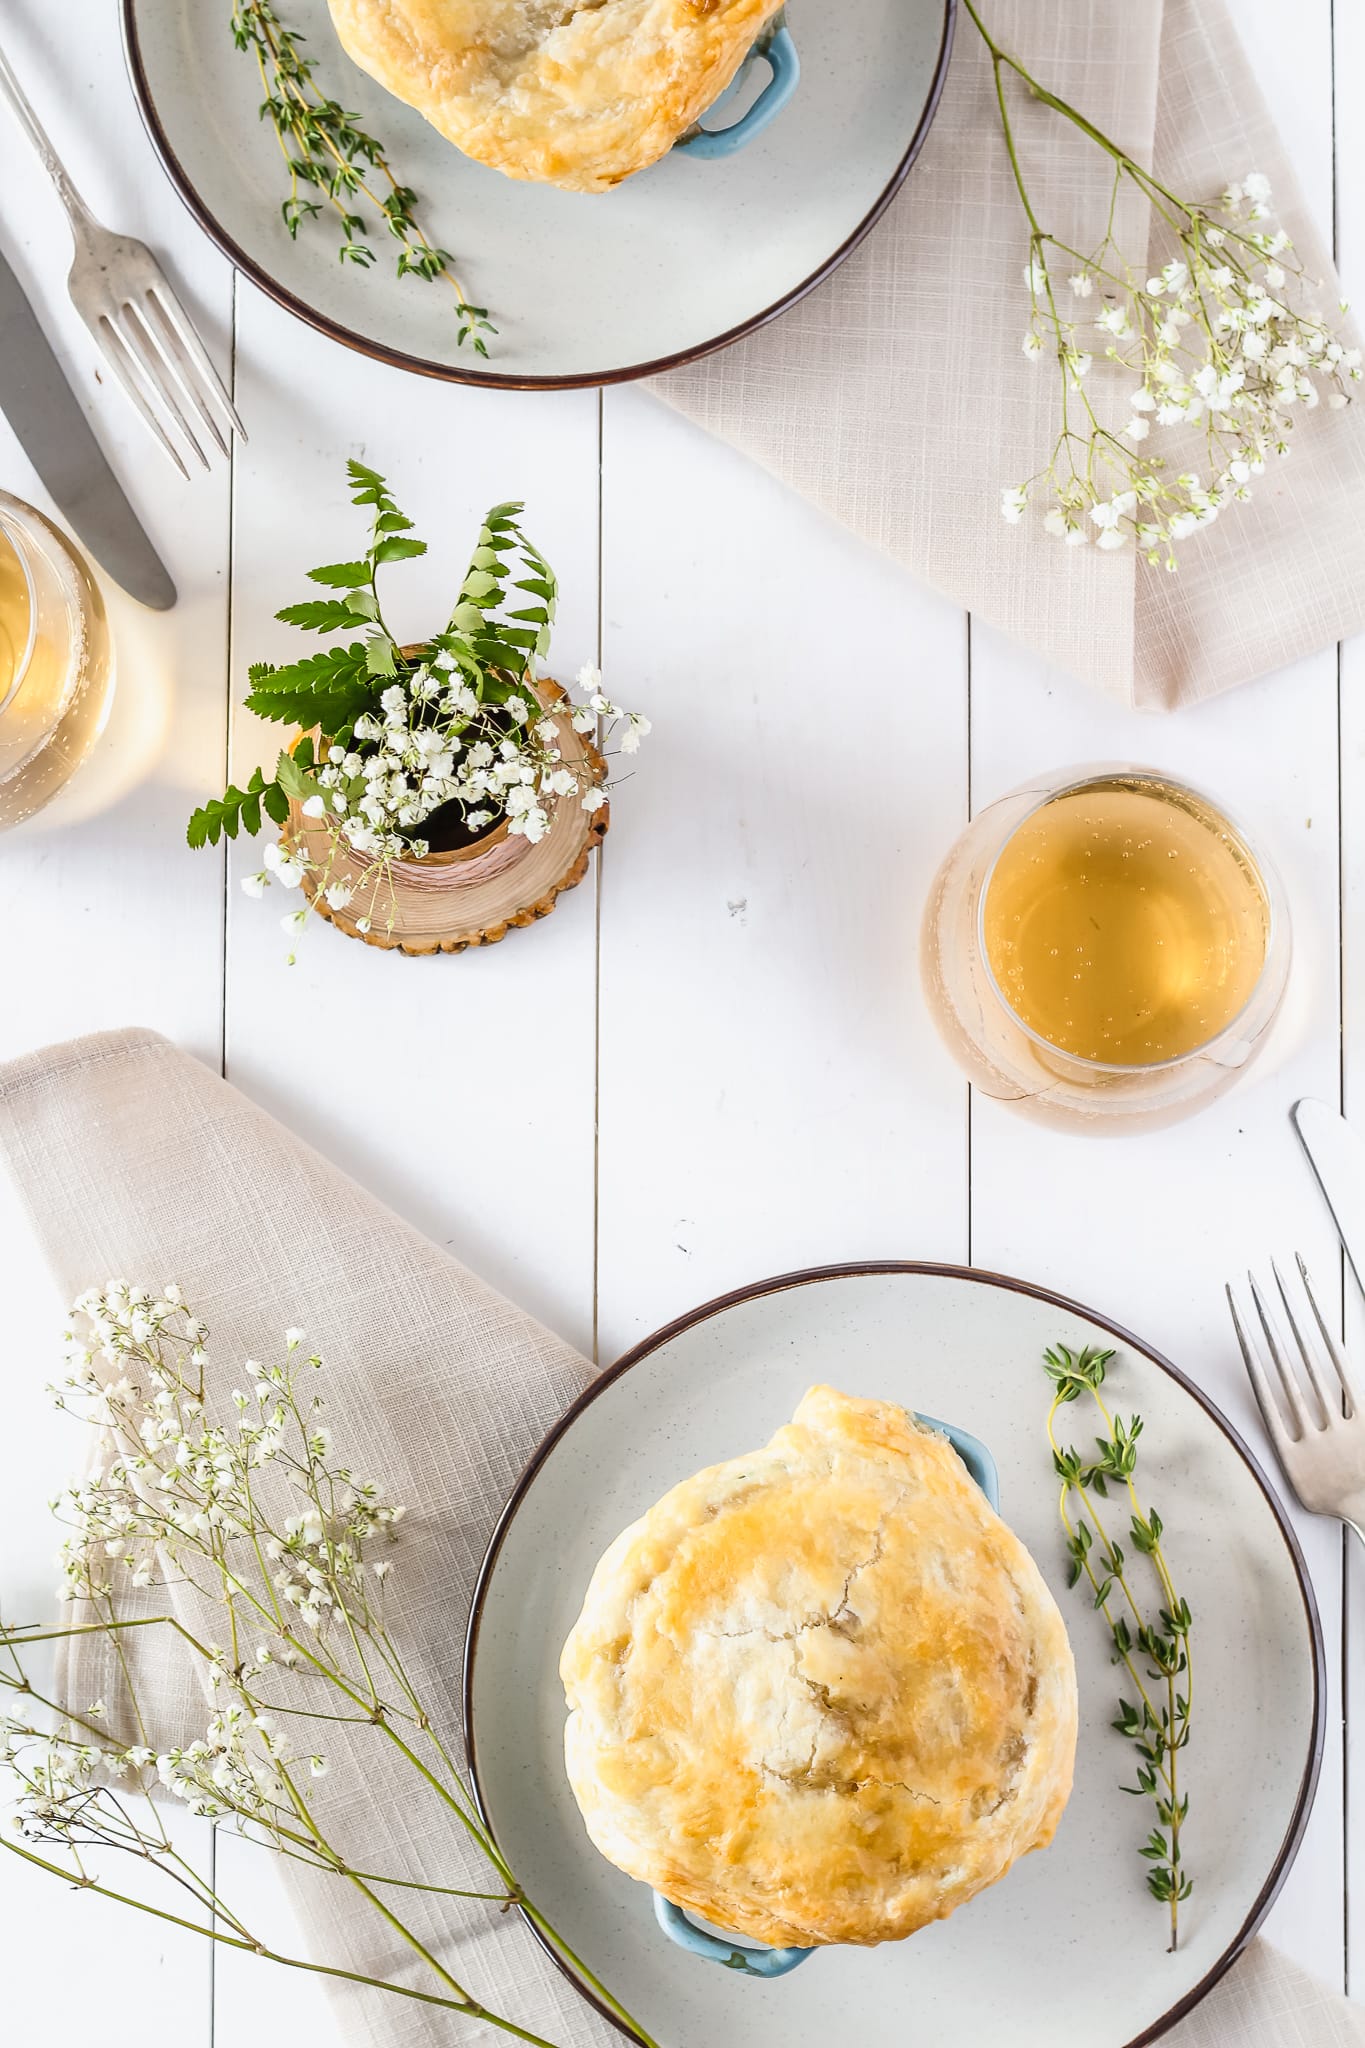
<point x="178" y="320"/>
<point x="1289" y="1386"/>
<point x="1333" y="1348"/>
<point x="1325" y="1462"/>
<point x="1260" y="1385"/>
<point x="149" y="349"/>
<point x="168" y="340"/>
<point x="1324" y="1393"/>
<point x="138" y="338"/>
<point x="125" y="369"/>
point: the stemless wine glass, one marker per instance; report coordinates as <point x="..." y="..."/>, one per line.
<point x="56" y="661"/>
<point x="994" y="912"/>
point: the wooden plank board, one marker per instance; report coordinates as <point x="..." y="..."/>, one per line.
<point x="1349" y="26"/>
<point x="1148" y="1228"/>
<point x="772" y="1093"/>
<point x="44" y="1920"/>
<point x="458" y="1089"/>
<point x="100" y="893"/>
<point x="108" y="921"/>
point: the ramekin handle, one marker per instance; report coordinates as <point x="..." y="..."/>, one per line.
<point x="784" y="65"/>
<point x="750" y="1962"/>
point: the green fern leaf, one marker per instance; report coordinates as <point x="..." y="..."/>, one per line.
<point x="342" y="575"/>
<point x="276" y="803"/>
<point x="394" y="548"/>
<point x="320" y="615"/>
<point x="325" y="689"/>
<point x="380" y="656"/>
<point x="223" y="816"/>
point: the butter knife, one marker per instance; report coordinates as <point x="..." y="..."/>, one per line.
<point x="53" y="431"/>
<point x="1337" y="1156"/>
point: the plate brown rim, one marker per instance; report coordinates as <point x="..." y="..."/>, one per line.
<point x="451" y="373"/>
<point x="813" y="1276"/>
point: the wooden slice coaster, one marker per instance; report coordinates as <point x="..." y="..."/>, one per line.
<point x="447" y="902"/>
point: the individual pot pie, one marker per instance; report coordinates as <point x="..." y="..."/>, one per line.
<point x="821" y="1693"/>
<point x="578" y="93"/>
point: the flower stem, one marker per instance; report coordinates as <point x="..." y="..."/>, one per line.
<point x="177" y="1498"/>
<point x="470" y="2008"/>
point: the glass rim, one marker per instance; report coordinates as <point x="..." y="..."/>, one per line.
<point x="1265" y="875"/>
<point x="14" y="539"/>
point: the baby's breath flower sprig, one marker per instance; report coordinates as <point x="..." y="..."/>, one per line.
<point x="1155" y="1654"/>
<point x="453" y="733"/>
<point x="289" y="1550"/>
<point x="1224" y="339"/>
<point x="327" y="152"/>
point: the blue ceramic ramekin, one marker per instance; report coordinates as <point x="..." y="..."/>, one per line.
<point x="775" y="48"/>
<point x="751" y="1959"/>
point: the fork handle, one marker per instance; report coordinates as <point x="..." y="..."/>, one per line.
<point x="78" y="213"/>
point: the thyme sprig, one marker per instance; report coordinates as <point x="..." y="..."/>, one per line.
<point x="327" y="153"/>
<point x="1155" y="1654"/>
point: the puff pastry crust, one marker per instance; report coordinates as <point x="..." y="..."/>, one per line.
<point x="578" y="93"/>
<point x="821" y="1693"/>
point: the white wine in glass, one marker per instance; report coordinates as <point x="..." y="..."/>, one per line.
<point x="56" y="661"/>
<point x="1105" y="949"/>
<point x="1126" y="922"/>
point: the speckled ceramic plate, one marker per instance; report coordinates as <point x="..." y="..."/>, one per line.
<point x="584" y="289"/>
<point x="1069" y="1947"/>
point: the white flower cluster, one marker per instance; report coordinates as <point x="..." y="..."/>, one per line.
<point x="61" y="1781"/>
<point x="236" y="1767"/>
<point x="1217" y="344"/>
<point x="179" y="1498"/>
<point x="435" y="742"/>
<point x="182" y="1488"/>
<point x="272" y="1536"/>
<point x="321" y="1558"/>
<point x="54" y="1777"/>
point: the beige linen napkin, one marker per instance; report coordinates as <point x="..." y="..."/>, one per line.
<point x="133" y="1160"/>
<point x="898" y="398"/>
<point x="1267" y="2002"/>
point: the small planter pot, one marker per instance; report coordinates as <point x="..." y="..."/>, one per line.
<point x="475" y="895"/>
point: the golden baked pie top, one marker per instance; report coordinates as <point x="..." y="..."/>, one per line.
<point x="821" y="1693"/>
<point x="573" y="95"/>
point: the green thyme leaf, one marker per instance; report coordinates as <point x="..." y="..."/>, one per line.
<point x="326" y="149"/>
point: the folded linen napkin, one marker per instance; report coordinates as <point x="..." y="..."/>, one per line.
<point x="135" y="1160"/>
<point x="898" y="398"/>
<point x="1268" y="2002"/>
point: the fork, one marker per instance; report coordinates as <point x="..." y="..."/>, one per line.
<point x="1310" y="1407"/>
<point x="144" y="333"/>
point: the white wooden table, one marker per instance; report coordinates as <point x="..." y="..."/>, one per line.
<point x="746" y="1079"/>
